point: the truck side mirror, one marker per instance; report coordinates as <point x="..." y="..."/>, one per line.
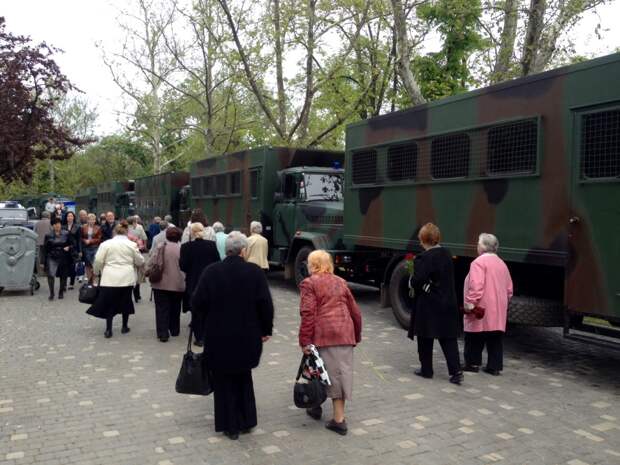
<point x="32" y="212"/>
<point x="278" y="197"/>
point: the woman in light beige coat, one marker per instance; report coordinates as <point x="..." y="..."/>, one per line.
<point x="116" y="262"/>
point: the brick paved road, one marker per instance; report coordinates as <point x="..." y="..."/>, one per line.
<point x="69" y="396"/>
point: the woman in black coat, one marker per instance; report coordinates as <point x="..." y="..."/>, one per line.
<point x="196" y="255"/>
<point x="58" y="249"/>
<point x="435" y="312"/>
<point x="75" y="234"/>
<point x="233" y="303"/>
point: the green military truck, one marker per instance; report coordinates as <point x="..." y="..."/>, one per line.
<point x="160" y="195"/>
<point x="86" y="199"/>
<point x="117" y="197"/>
<point x="535" y="161"/>
<point x="295" y="193"/>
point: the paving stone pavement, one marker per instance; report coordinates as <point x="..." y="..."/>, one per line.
<point x="69" y="396"/>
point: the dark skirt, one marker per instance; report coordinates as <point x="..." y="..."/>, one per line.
<point x="112" y="301"/>
<point x="88" y="254"/>
<point x="58" y="268"/>
<point x="233" y="398"/>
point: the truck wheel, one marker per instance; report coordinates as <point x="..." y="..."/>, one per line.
<point x="533" y="311"/>
<point x="399" y="294"/>
<point x="301" y="264"/>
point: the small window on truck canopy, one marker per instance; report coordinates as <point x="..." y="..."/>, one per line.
<point x="220" y="184"/>
<point x="364" y="167"/>
<point x="512" y="147"/>
<point x="450" y="156"/>
<point x="196" y="187"/>
<point x="207" y="186"/>
<point x="254" y="183"/>
<point x="600" y="144"/>
<point x="402" y="161"/>
<point x="235" y="183"/>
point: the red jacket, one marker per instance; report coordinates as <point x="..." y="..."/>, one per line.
<point x="329" y="314"/>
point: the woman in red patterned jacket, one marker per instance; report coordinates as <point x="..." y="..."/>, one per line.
<point x="330" y="320"/>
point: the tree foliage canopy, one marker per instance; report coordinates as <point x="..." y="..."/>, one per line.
<point x="31" y="84"/>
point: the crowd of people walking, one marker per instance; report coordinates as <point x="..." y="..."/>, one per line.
<point x="201" y="269"/>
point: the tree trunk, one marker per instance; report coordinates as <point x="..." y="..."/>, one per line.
<point x="279" y="41"/>
<point x="52" y="175"/>
<point x="503" y="60"/>
<point x="250" y="76"/>
<point x="303" y="125"/>
<point x="532" y="37"/>
<point x="402" y="54"/>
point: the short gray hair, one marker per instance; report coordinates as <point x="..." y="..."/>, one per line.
<point x="488" y="242"/>
<point x="218" y="227"/>
<point x="235" y="243"/>
<point x="256" y="227"/>
<point x="45" y="214"/>
<point x="168" y="218"/>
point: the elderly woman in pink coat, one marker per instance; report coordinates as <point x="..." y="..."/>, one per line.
<point x="488" y="289"/>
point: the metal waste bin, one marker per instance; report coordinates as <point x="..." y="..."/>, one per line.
<point x="18" y="255"/>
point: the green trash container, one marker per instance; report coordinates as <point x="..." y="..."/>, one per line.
<point x="18" y="255"/>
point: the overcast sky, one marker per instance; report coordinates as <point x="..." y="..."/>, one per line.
<point x="77" y="25"/>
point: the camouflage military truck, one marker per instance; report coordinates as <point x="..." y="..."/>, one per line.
<point x="535" y="161"/>
<point x="160" y="195"/>
<point x="86" y="199"/>
<point x="116" y="196"/>
<point x="296" y="194"/>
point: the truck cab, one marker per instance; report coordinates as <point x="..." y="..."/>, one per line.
<point x="307" y="215"/>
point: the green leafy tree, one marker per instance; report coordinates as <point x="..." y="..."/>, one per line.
<point x="447" y="72"/>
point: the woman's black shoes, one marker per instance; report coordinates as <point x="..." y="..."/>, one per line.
<point x="419" y="372"/>
<point x="163" y="339"/>
<point x="51" y="297"/>
<point x="232" y="435"/>
<point x="340" y="428"/>
<point x="491" y="371"/>
<point x="61" y="295"/>
<point x="125" y="330"/>
<point x="107" y="334"/>
<point x="457" y="378"/>
<point x="471" y="368"/>
<point x="315" y="412"/>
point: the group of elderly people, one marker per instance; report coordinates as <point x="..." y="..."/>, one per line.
<point x="204" y="272"/>
<point x="435" y="314"/>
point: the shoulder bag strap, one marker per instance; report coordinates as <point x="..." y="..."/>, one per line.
<point x="189" y="340"/>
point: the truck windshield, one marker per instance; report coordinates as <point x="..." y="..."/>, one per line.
<point x="322" y="186"/>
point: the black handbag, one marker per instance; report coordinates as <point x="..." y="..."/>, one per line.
<point x="194" y="376"/>
<point x="312" y="392"/>
<point x="88" y="293"/>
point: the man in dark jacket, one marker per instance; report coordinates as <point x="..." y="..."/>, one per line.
<point x="107" y="228"/>
<point x="233" y="302"/>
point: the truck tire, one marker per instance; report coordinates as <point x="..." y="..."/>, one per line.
<point x="301" y="264"/>
<point x="399" y="294"/>
<point x="533" y="311"/>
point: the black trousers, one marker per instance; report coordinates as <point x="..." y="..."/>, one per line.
<point x="136" y="293"/>
<point x="234" y="402"/>
<point x="63" y="284"/>
<point x="474" y="345"/>
<point x="167" y="312"/>
<point x="450" y="349"/>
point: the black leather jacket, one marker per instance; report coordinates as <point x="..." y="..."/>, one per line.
<point x="55" y="244"/>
